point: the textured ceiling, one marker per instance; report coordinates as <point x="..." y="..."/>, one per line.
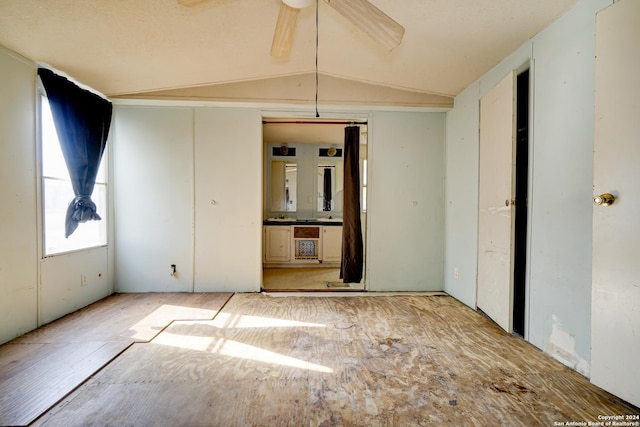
<point x="132" y="46"/>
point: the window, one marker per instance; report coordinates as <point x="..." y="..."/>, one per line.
<point x="57" y="193"/>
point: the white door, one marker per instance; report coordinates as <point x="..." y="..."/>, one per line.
<point x="497" y="133"/>
<point x="615" y="308"/>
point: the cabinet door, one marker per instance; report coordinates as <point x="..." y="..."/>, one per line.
<point x="331" y="243"/>
<point x="277" y="244"/>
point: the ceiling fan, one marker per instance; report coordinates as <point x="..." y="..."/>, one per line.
<point x="361" y="13"/>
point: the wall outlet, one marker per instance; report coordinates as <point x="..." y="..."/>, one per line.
<point x="456" y="273"/>
<point x="83" y="280"/>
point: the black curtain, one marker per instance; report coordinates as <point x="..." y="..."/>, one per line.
<point x="327" y="190"/>
<point x="82" y="121"/>
<point x="352" y="252"/>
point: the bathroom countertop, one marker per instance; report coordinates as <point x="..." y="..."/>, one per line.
<point x="303" y="222"/>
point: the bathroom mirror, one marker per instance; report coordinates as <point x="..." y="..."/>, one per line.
<point x="284" y="176"/>
<point x="330" y="182"/>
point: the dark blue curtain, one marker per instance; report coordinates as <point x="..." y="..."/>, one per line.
<point x="352" y="250"/>
<point x="82" y="121"/>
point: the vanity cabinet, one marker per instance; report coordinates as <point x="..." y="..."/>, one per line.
<point x="304" y="245"/>
<point x="277" y="243"/>
<point x="331" y="244"/>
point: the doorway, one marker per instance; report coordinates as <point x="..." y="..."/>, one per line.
<point x="503" y="190"/>
<point x="521" y="205"/>
<point x="303" y="184"/>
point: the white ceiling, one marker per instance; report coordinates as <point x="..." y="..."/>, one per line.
<point x="132" y="46"/>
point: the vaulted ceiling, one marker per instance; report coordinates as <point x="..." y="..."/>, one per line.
<point x="126" y="47"/>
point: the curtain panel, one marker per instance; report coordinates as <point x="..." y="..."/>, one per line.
<point x="352" y="248"/>
<point x="82" y="121"/>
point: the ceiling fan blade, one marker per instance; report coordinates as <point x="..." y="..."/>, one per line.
<point x="285" y="28"/>
<point x="371" y="20"/>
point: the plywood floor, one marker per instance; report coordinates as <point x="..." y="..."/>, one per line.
<point x="40" y="368"/>
<point x="328" y="361"/>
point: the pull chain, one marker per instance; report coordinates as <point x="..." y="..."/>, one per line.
<point x="317" y="114"/>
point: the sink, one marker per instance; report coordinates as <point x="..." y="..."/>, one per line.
<point x="281" y="219"/>
<point x="329" y="219"/>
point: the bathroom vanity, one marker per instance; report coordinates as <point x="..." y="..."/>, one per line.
<point x="303" y="181"/>
<point x="298" y="243"/>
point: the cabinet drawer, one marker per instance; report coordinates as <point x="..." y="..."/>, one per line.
<point x="306" y="232"/>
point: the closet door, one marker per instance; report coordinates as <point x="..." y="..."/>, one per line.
<point x="615" y="308"/>
<point x="228" y="200"/>
<point x="495" y="225"/>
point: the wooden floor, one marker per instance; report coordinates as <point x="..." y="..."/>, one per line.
<point x="329" y="361"/>
<point x="40" y="368"/>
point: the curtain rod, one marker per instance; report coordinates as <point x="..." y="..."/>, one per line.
<point x="311" y="122"/>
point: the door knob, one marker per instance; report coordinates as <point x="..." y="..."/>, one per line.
<point x="605" y="199"/>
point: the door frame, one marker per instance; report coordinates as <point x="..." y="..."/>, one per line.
<point x="306" y="114"/>
<point x="530" y="66"/>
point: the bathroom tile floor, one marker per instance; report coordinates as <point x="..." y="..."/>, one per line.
<point x="309" y="279"/>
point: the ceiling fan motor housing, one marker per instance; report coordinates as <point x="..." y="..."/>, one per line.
<point x="298" y="4"/>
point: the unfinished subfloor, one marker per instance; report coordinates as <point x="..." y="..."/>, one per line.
<point x="352" y="360"/>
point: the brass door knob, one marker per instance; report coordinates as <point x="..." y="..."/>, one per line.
<point x="605" y="199"/>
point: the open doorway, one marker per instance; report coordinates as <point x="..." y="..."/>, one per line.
<point x="303" y="192"/>
<point x="521" y="206"/>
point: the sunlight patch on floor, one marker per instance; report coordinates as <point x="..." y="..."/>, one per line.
<point x="147" y="327"/>
<point x="210" y="336"/>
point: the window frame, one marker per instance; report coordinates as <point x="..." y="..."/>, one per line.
<point x="42" y="179"/>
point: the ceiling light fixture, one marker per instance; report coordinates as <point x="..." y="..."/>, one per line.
<point x="297" y="4"/>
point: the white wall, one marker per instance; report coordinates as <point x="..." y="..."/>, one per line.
<point x="461" y="202"/>
<point x="33" y="290"/>
<point x="228" y="171"/>
<point x="196" y="155"/>
<point x="405" y="212"/>
<point x="18" y="238"/>
<point x="559" y="271"/>
<point x="153" y="197"/>
<point x="171" y="163"/>
<point x="560" y="280"/>
<point x="72" y="281"/>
